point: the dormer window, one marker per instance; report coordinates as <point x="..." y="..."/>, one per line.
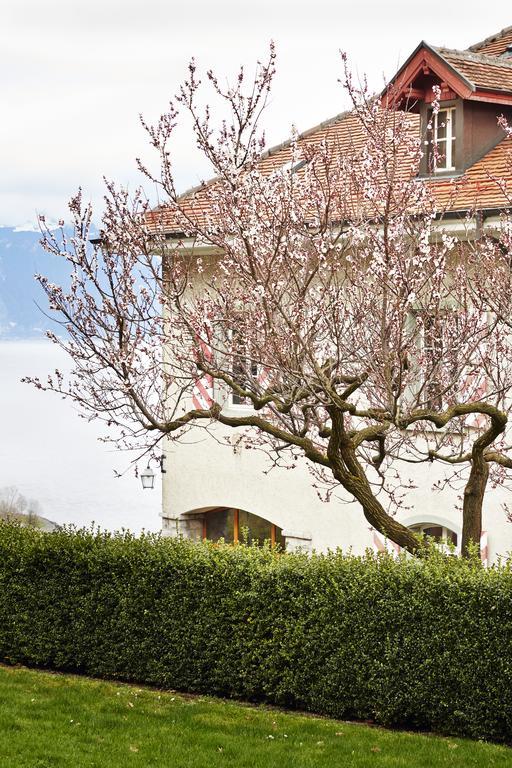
<point x="441" y="141"/>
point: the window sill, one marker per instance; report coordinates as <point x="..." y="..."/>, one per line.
<point x="440" y="175"/>
<point x="237" y="410"/>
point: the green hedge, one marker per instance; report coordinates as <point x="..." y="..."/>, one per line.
<point x="419" y="644"/>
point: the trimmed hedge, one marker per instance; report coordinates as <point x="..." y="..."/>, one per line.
<point x="423" y="644"/>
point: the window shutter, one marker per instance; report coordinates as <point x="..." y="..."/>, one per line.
<point x="264" y="378"/>
<point x="484" y="549"/>
<point x="382" y="544"/>
<point x="476" y="387"/>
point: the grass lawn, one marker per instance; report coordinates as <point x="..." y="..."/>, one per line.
<point x="50" y="720"/>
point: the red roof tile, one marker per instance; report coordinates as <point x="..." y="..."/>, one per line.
<point x="495" y="45"/>
<point x="478" y="187"/>
<point x="483" y="186"/>
<point x="482" y="71"/>
<point x="344" y="131"/>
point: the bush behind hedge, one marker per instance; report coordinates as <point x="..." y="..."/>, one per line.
<point x="422" y="644"/>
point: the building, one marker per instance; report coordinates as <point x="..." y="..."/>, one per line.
<point x="212" y="491"/>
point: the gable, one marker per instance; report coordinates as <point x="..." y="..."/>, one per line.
<point x="413" y="82"/>
<point x="464" y="74"/>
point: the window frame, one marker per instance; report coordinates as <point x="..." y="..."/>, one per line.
<point x="445" y="541"/>
<point x="432" y="345"/>
<point x="244" y="403"/>
<point x="276" y="533"/>
<point x="449" y="140"/>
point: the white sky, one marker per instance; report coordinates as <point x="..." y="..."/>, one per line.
<point x="52" y="456"/>
<point x="75" y="75"/>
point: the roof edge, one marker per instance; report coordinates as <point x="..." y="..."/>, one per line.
<point x="420" y="45"/>
<point x="269" y="152"/>
<point x="491" y="39"/>
<point x="477" y="58"/>
<point x="435" y="51"/>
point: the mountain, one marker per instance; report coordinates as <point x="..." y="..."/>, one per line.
<point x="21" y="256"/>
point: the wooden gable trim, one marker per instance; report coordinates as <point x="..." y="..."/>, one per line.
<point x="424" y="60"/>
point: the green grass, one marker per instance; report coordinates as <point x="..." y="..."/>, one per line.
<point x="51" y="721"/>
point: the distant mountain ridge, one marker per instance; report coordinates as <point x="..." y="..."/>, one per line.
<point x="21" y="256"/>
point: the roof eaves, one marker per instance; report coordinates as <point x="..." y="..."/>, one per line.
<point x="488" y="89"/>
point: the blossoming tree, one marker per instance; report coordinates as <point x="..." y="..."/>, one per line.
<point x="315" y="285"/>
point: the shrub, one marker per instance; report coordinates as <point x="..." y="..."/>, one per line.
<point x="422" y="644"/>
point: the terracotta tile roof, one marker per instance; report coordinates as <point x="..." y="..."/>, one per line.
<point x="344" y="132"/>
<point x="495" y="45"/>
<point x="479" y="65"/>
<point x="482" y="71"/>
<point x="478" y="187"/>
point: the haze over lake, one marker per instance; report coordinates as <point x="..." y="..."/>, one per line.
<point x="52" y="455"/>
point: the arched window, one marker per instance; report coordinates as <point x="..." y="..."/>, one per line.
<point x="440" y="533"/>
<point x="237" y="525"/>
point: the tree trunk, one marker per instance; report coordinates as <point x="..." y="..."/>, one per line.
<point x="377" y="516"/>
<point x="473" y="501"/>
<point x="350" y="474"/>
<point x="357" y="484"/>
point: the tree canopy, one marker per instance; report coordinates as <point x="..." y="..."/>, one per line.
<point x="318" y="285"/>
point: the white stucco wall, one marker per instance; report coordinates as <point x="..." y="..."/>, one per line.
<point x="202" y="473"/>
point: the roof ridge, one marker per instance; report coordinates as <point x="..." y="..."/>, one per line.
<point x="478" y="58"/>
<point x="490" y="39"/>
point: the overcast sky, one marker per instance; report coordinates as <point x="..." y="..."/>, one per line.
<point x="75" y="75"/>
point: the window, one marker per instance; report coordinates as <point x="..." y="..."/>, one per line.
<point x="244" y="369"/>
<point x="440" y="533"/>
<point x="433" y="354"/>
<point x="440" y="357"/>
<point x="441" y="142"/>
<point x="237" y="525"/>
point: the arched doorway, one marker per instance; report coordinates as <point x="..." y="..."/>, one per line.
<point x="239" y="526"/>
